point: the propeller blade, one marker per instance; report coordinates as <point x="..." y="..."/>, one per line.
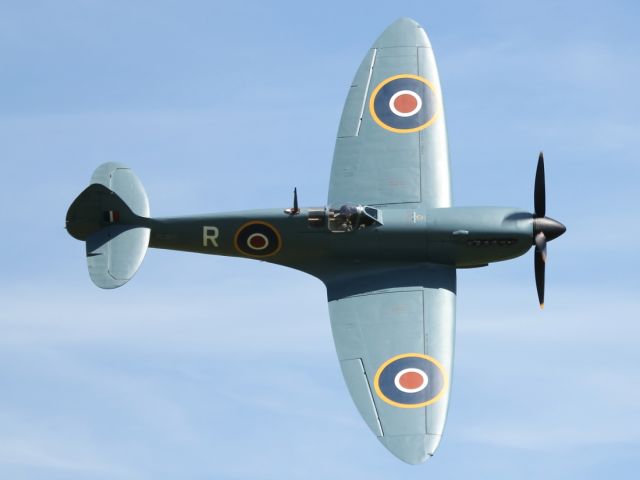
<point x="539" y="196"/>
<point x="541" y="246"/>
<point x="539" y="269"/>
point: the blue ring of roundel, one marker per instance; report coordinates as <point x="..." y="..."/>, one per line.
<point x="386" y="381"/>
<point x="386" y="115"/>
<point x="267" y="231"/>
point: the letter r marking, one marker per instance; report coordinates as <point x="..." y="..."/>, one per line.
<point x="210" y="234"/>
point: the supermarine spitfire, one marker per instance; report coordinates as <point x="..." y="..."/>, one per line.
<point x="387" y="245"/>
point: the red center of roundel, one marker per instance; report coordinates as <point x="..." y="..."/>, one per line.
<point x="411" y="380"/>
<point x="405" y="103"/>
<point x="257" y="241"/>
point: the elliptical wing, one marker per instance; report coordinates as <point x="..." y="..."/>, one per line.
<point x="392" y="142"/>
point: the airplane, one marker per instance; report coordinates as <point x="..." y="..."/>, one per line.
<point x="387" y="244"/>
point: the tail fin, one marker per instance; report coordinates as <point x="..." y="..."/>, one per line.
<point x="111" y="215"/>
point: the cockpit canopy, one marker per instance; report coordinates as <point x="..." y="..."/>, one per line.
<point x="345" y="218"/>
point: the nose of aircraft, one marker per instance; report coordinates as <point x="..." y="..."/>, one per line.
<point x="551" y="228"/>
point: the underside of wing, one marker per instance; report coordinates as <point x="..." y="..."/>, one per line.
<point x="395" y="345"/>
<point x="392" y="143"/>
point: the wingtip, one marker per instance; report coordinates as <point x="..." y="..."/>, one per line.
<point x="411" y="449"/>
<point x="404" y="32"/>
<point x="405" y="21"/>
<point x="542" y="306"/>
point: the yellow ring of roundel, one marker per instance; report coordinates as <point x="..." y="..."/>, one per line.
<point x="445" y="383"/>
<point x="257" y="222"/>
<point x="400" y="130"/>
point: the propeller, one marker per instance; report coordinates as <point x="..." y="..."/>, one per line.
<point x="545" y="229"/>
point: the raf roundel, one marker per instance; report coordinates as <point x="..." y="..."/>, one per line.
<point x="257" y="239"/>
<point x="410" y="380"/>
<point x="404" y="104"/>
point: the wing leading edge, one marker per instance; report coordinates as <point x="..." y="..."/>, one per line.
<point x="395" y="345"/>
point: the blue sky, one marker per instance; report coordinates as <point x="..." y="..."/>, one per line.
<point x="205" y="367"/>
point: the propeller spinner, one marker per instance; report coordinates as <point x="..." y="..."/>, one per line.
<point x="545" y="229"/>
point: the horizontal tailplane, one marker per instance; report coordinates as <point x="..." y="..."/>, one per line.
<point x="111" y="216"/>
